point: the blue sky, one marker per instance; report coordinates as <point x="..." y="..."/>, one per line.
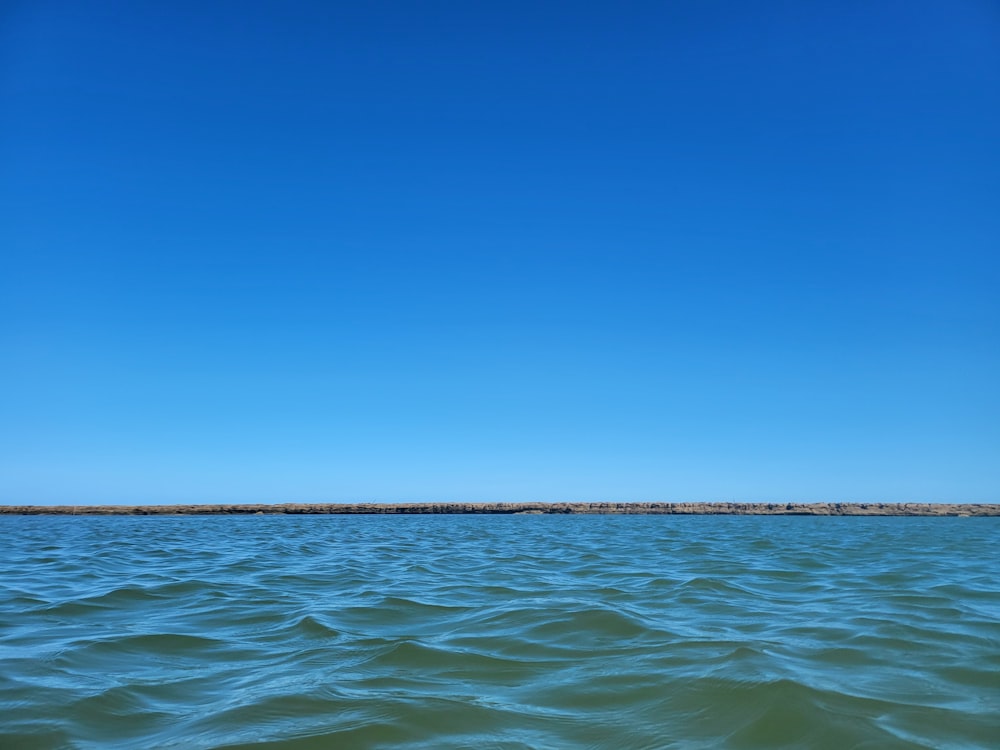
<point x="499" y="251"/>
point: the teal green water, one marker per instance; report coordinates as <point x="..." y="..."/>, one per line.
<point x="499" y="632"/>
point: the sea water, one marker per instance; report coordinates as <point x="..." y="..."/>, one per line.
<point x="499" y="632"/>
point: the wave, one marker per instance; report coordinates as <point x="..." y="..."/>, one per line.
<point x="497" y="632"/>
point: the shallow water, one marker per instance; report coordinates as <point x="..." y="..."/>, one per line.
<point x="499" y="632"/>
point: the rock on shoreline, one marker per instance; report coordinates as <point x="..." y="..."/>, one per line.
<point x="708" y="509"/>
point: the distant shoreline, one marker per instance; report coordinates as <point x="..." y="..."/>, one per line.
<point x="684" y="509"/>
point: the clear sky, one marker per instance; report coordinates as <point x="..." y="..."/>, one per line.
<point x="321" y="251"/>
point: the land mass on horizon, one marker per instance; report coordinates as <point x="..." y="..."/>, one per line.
<point x="537" y="508"/>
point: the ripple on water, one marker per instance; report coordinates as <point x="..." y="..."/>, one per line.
<point x="499" y="632"/>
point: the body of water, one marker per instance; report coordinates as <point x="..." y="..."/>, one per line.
<point x="499" y="632"/>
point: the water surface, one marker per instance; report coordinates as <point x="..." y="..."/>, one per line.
<point x="499" y="632"/>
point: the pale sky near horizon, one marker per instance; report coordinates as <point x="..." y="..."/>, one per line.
<point x="315" y="251"/>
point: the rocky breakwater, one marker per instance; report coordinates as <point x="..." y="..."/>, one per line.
<point x="708" y="509"/>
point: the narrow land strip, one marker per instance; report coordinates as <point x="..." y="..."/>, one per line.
<point x="726" y="509"/>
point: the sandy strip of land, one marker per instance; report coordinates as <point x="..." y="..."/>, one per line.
<point x="725" y="509"/>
